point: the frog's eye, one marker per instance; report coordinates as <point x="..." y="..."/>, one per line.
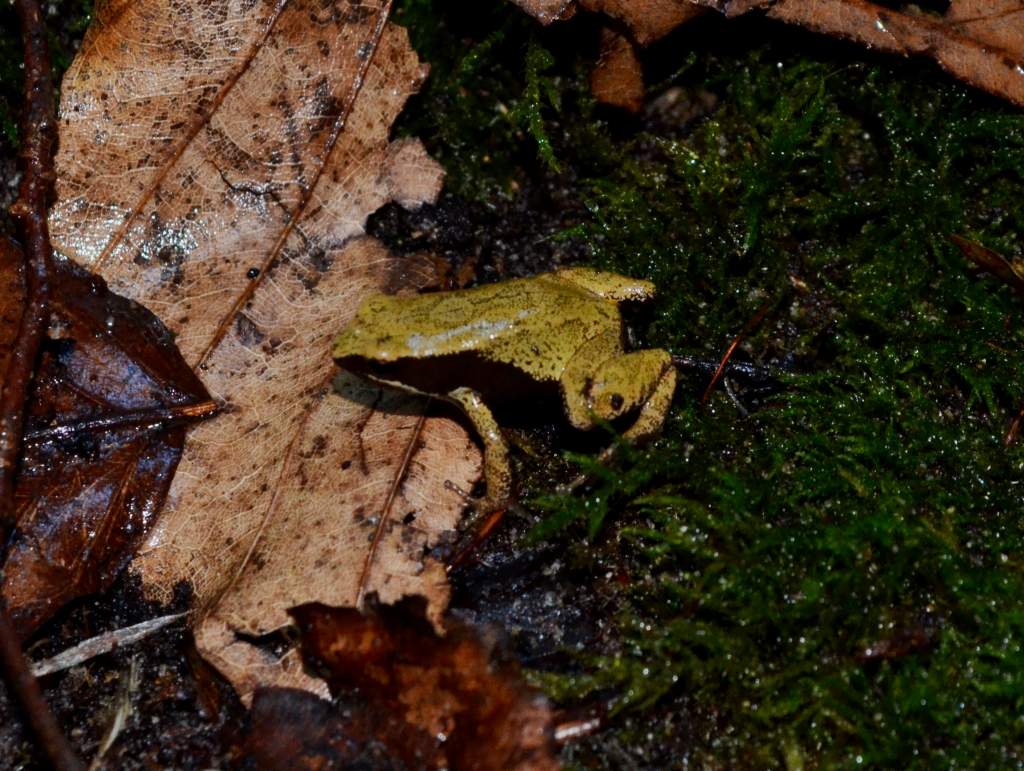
<point x="616" y="402"/>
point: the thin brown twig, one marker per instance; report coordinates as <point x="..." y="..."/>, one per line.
<point x="38" y="132"/>
<point x="747" y="329"/>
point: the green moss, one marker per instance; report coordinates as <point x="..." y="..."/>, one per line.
<point x="495" y="89"/>
<point x="835" y="579"/>
<point x="65" y="24"/>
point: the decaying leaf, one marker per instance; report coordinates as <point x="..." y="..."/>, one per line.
<point x="547" y="11"/>
<point x="962" y="48"/>
<point x="978" y="41"/>
<point x="646" y="20"/>
<point x="289" y="729"/>
<point x="996" y="22"/>
<point x="104" y="433"/>
<point x="617" y="79"/>
<point x="223" y="180"/>
<point x="429" y="702"/>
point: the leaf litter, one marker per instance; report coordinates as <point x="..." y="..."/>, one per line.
<point x="228" y="191"/>
<point x="405" y="697"/>
<point x="981" y="42"/>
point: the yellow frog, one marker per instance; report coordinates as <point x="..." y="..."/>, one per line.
<point x="512" y="341"/>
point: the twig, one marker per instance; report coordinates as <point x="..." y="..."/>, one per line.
<point x="1014" y="430"/>
<point x="30" y="212"/>
<point x="103" y="643"/>
<point x="743" y="371"/>
<point x="38" y="129"/>
<point x="747" y="329"/>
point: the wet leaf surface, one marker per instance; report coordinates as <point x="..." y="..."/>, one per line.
<point x="104" y="434"/>
<point x="411" y="699"/>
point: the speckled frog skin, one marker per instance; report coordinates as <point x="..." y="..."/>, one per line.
<point x="470" y="346"/>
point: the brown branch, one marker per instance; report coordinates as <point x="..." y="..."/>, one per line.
<point x="38" y="130"/>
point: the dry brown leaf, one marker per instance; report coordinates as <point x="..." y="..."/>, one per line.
<point x="617" y="79"/>
<point x="647" y="20"/>
<point x="547" y="11"/>
<point x="217" y="164"/>
<point x="979" y="41"/>
<point x="997" y="22"/>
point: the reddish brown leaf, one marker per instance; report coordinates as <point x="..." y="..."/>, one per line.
<point x="997" y="22"/>
<point x="434" y="702"/>
<point x="647" y="20"/>
<point x="547" y="11"/>
<point x="289" y="729"/>
<point x="617" y="79"/>
<point x="1011" y="273"/>
<point x="979" y="41"/>
<point x="104" y="435"/>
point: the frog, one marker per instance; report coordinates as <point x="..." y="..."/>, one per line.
<point x="513" y="341"/>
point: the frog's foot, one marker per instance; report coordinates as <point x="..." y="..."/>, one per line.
<point x="497" y="471"/>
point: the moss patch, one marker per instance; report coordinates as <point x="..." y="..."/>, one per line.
<point x="829" y="576"/>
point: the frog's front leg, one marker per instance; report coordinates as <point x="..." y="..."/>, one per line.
<point x="603" y="382"/>
<point x="655" y="397"/>
<point x="620" y="384"/>
<point x="644" y="379"/>
<point x="497" y="471"/>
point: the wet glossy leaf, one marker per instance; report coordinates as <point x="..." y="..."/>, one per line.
<point x="105" y="431"/>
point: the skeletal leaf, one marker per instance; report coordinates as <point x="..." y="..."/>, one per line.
<point x="217" y="164"/>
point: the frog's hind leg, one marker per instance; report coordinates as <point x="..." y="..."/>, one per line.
<point x="497" y="471"/>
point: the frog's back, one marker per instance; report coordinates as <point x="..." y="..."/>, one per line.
<point x="534" y="324"/>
